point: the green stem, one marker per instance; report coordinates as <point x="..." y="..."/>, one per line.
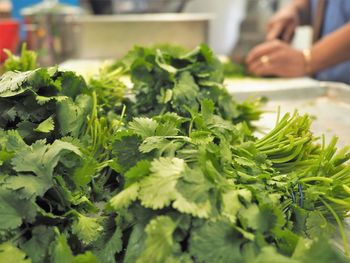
<point x="315" y="178"/>
<point x="340" y="225"/>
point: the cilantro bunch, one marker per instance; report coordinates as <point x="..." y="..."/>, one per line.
<point x="173" y="80"/>
<point x="176" y="175"/>
<point x="208" y="194"/>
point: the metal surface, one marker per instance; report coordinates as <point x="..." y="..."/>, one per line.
<point x="106" y="7"/>
<point x="148" y="6"/>
<point x="106" y="37"/>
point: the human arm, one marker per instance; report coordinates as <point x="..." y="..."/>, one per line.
<point x="331" y="50"/>
<point x="283" y="24"/>
<point x="284" y="61"/>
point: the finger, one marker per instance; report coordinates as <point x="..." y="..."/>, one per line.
<point x="266" y="70"/>
<point x="256" y="64"/>
<point x="274" y="63"/>
<point x="275" y="31"/>
<point x="253" y="66"/>
<point x="262" y="50"/>
<point x="288" y="33"/>
<point x="261" y="70"/>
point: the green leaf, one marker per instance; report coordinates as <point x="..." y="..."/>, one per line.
<point x="72" y="115"/>
<point x="14" y="210"/>
<point x="167" y="129"/>
<point x="28" y="186"/>
<point x="185" y="91"/>
<point x="15" y="83"/>
<point x="286" y="240"/>
<point x="73" y="85"/>
<point x="207" y="109"/>
<point x="194" y="194"/>
<point x="156" y="143"/>
<point x="124" y="198"/>
<point x="216" y="242"/>
<point x="264" y="218"/>
<point x="162" y="63"/>
<point x="159" y="244"/>
<point x="25" y="62"/>
<point x="87" y="229"/>
<point x="43" y="99"/>
<point x="321" y="251"/>
<point x="201" y="137"/>
<point x="46" y="126"/>
<point x="139" y="171"/>
<point x="317" y="225"/>
<point x="270" y="255"/>
<point x="41" y="158"/>
<point x="144" y="127"/>
<point x="126" y="149"/>
<point x="87" y="257"/>
<point x="11" y="254"/>
<point x="136" y="243"/>
<point x="114" y="245"/>
<point x="37" y="247"/>
<point x="84" y="174"/>
<point x="165" y="96"/>
<point x="60" y="251"/>
<point x="231" y="203"/>
<point x="159" y="188"/>
<point x="250" y="217"/>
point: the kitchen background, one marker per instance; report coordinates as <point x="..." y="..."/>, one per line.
<point x="225" y="25"/>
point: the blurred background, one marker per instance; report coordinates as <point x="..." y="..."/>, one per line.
<point x="105" y="29"/>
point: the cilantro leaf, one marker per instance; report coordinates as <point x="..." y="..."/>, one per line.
<point x="37" y="247"/>
<point x="87" y="228"/>
<point x="13" y="210"/>
<point x="113" y="246"/>
<point x="40" y="158"/>
<point x="159" y="188"/>
<point x="144" y="127"/>
<point x="125" y="197"/>
<point x="216" y="242"/>
<point x="194" y="194"/>
<point x="72" y="115"/>
<point x="270" y="255"/>
<point x="46" y="126"/>
<point x="10" y="253"/>
<point x="159" y="244"/>
<point x="60" y="251"/>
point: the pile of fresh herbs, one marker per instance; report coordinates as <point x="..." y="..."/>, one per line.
<point x="169" y="171"/>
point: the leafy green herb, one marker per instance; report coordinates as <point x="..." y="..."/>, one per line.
<point x="25" y="62"/>
<point x="175" y="176"/>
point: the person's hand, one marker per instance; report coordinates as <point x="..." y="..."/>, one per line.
<point x="276" y="58"/>
<point x="282" y="25"/>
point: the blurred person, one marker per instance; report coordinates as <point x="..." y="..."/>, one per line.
<point x="329" y="57"/>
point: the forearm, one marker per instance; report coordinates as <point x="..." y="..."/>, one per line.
<point x="331" y="50"/>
